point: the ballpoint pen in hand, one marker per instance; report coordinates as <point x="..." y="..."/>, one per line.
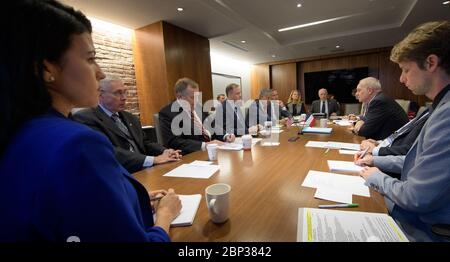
<point x="363" y="153"/>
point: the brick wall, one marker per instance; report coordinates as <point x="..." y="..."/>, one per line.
<point x="115" y="57"/>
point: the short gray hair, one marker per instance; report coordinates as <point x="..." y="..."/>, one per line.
<point x="105" y="83"/>
<point x="265" y="92"/>
<point x="371" y="82"/>
<point x="182" y="84"/>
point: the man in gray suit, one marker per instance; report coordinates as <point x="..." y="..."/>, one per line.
<point x="420" y="200"/>
<point x="123" y="129"/>
<point x="329" y="107"/>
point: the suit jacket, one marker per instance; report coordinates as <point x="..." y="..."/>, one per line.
<point x="256" y="114"/>
<point x="59" y="179"/>
<point x="187" y="141"/>
<point x="421" y="198"/>
<point x="97" y="119"/>
<point x="229" y="121"/>
<point x="333" y="106"/>
<point x="383" y="117"/>
<point x="296" y="109"/>
<point x="404" y="142"/>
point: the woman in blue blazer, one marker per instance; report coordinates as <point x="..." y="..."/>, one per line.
<point x="59" y="180"/>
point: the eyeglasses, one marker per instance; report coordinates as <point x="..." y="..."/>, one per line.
<point x="118" y="93"/>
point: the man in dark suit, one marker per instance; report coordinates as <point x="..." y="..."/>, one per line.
<point x="329" y="107"/>
<point x="263" y="110"/>
<point x="382" y="115"/>
<point x="183" y="128"/>
<point x="284" y="112"/>
<point x="400" y="141"/>
<point x="229" y="118"/>
<point x="123" y="129"/>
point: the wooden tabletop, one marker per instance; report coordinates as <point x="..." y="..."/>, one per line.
<point x="266" y="189"/>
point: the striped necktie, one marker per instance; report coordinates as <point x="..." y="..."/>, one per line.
<point x="198" y="124"/>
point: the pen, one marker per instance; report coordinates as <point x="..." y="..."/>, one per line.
<point x="364" y="153"/>
<point x="338" y="205"/>
<point x="156" y="198"/>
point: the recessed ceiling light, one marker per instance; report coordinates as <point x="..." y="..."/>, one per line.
<point x="299" y="5"/>
<point x="274" y="56"/>
<point x="180" y="9"/>
<point x="338" y="46"/>
<point x="243" y="41"/>
<point x="446" y="2"/>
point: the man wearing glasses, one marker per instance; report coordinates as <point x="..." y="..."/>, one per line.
<point x="123" y="129"/>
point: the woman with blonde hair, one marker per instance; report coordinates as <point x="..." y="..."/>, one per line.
<point x="294" y="104"/>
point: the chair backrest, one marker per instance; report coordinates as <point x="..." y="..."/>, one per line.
<point x="159" y="137"/>
<point x="404" y="104"/>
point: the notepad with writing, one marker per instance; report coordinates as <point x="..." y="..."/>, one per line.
<point x="188" y="211"/>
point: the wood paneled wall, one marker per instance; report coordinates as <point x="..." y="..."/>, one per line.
<point x="163" y="53"/>
<point x="259" y="78"/>
<point x="284" y="79"/>
<point x="377" y="60"/>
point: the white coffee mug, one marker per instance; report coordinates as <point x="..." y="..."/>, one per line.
<point x="323" y="122"/>
<point x="212" y="151"/>
<point x="218" y="201"/>
<point x="247" y="142"/>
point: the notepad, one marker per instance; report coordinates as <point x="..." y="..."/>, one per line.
<point x="344" y="166"/>
<point x="188" y="211"/>
<point x="317" y="130"/>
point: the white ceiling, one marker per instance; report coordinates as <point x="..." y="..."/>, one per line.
<point x="356" y="25"/>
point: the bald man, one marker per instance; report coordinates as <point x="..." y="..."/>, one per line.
<point x="329" y="107"/>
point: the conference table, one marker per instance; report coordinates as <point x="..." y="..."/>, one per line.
<point x="266" y="190"/>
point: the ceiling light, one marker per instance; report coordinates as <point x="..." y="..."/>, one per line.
<point x="180" y="9"/>
<point x="320" y="22"/>
<point x="274" y="56"/>
<point x="299" y="5"/>
<point x="243" y="41"/>
<point x="446" y="2"/>
<point x="338" y="46"/>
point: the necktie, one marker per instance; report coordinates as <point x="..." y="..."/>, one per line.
<point x="199" y="126"/>
<point x="115" y="117"/>
<point x="323" y="107"/>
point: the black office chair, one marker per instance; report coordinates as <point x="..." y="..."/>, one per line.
<point x="441" y="230"/>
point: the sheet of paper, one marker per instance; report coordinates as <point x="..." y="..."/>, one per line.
<point x="268" y="143"/>
<point x="317" y="144"/>
<point x="277" y="131"/>
<point x="343" y="183"/>
<point x="340" y="145"/>
<point x="200" y="163"/>
<point x="332" y="194"/>
<point x="189" y="206"/>
<point x="325" y="225"/>
<point x="343" y="122"/>
<point x="344" y="166"/>
<point x="231" y="146"/>
<point x="193" y="171"/>
<point x="347" y="152"/>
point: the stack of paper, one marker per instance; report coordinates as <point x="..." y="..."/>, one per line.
<point x="335" y="187"/>
<point x="340" y="145"/>
<point x="317" y="130"/>
<point x="196" y="170"/>
<point x="317" y="144"/>
<point x="319" y="225"/>
<point x="189" y="206"/>
<point x="344" y="166"/>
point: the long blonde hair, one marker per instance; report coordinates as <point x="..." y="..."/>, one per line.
<point x="291" y="101"/>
